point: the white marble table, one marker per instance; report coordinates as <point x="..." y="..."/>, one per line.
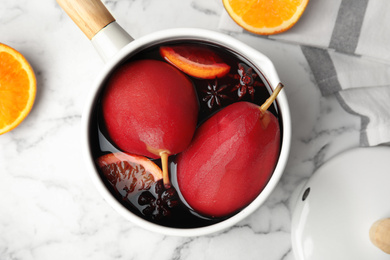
<point x="49" y="208"/>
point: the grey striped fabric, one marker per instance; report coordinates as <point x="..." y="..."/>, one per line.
<point x="349" y="22"/>
<point x="323" y="69"/>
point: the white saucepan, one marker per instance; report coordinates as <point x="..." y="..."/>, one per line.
<point x="115" y="46"/>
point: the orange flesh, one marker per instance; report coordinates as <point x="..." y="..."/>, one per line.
<point x="17" y="88"/>
<point x="265" y="16"/>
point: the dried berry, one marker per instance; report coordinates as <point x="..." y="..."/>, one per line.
<point x="158" y="204"/>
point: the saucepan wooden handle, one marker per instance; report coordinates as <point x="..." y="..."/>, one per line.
<point x="380" y="234"/>
<point x="89" y="15"/>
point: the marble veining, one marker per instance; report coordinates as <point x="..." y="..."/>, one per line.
<point x="49" y="208"/>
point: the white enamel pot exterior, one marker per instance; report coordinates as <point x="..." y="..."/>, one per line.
<point x="116" y="46"/>
<point x="339" y="209"/>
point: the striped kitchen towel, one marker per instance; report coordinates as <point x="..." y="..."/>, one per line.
<point x="347" y="46"/>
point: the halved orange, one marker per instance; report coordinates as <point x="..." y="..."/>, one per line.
<point x="129" y="173"/>
<point x="17" y="88"/>
<point x="194" y="60"/>
<point x="265" y="16"/>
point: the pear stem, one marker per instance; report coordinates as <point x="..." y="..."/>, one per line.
<point x="272" y="98"/>
<point x="164" y="161"/>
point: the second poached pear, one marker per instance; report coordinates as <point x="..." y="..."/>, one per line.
<point x="230" y="160"/>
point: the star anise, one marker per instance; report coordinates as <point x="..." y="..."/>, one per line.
<point x="214" y="94"/>
<point x="247" y="81"/>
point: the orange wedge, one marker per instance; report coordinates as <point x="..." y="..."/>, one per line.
<point x="17" y="88"/>
<point x="196" y="61"/>
<point x="265" y="16"/>
<point x="129" y="173"/>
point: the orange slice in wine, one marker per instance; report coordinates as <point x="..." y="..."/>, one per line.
<point x="128" y="173"/>
<point x="197" y="61"/>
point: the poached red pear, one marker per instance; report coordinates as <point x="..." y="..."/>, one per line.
<point x="230" y="159"/>
<point x="150" y="108"/>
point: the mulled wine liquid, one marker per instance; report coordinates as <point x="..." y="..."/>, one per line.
<point x="242" y="83"/>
